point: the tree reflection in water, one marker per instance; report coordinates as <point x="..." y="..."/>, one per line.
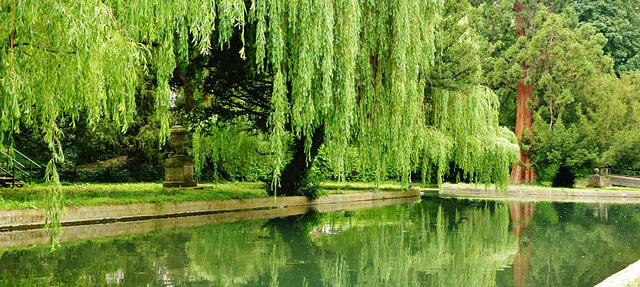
<point x="426" y="248"/>
<point x="437" y="242"/>
<point x="521" y="216"/>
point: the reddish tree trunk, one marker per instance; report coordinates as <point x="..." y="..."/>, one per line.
<point x="523" y="172"/>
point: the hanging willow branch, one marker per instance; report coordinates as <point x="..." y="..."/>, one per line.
<point x="65" y="59"/>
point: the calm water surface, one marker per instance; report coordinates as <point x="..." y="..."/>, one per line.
<point x="437" y="242"/>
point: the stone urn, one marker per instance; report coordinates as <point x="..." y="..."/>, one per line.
<point x="178" y="169"/>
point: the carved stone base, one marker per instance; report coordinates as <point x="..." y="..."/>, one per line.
<point x="599" y="181"/>
<point x="596" y="180"/>
<point x="178" y="172"/>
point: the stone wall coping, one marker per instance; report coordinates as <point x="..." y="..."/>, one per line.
<point x="537" y="194"/>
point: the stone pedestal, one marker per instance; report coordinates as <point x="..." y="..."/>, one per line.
<point x="596" y="180"/>
<point x="600" y="179"/>
<point x="178" y="169"/>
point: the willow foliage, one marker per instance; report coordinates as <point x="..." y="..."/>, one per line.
<point x="64" y="61"/>
<point x="462" y="129"/>
<point x="355" y="68"/>
<point x="465" y="131"/>
<point x="358" y="69"/>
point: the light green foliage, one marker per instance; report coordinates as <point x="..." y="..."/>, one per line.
<point x="63" y="60"/>
<point x="354" y="67"/>
<point x="467" y="133"/>
<point x="456" y="119"/>
<point x="610" y="122"/>
<point x="234" y="151"/>
<point x="462" y="123"/>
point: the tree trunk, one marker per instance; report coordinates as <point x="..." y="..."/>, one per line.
<point x="523" y="172"/>
<point x="297" y="169"/>
<point x="189" y="101"/>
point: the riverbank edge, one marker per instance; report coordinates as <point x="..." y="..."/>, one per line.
<point x="22" y="219"/>
<point x="628" y="277"/>
<point x="77" y="233"/>
<point x="520" y="193"/>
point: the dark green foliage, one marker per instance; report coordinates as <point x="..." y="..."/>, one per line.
<point x="115" y="173"/>
<point x="561" y="148"/>
<point x="310" y="186"/>
<point x="107" y="174"/>
<point x="582" y="110"/>
<point x="619" y="22"/>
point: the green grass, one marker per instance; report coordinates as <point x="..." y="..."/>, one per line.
<point x="35" y="196"/>
<point x="100" y="194"/>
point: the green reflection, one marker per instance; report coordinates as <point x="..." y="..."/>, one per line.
<point x="235" y="254"/>
<point x="437" y="242"/>
<point x="425" y="247"/>
<point x="569" y="244"/>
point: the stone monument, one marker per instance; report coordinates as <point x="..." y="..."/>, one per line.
<point x="178" y="169"/>
<point x="600" y="179"/>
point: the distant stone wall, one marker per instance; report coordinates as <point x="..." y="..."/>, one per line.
<point x="542" y="194"/>
<point x="626" y="181"/>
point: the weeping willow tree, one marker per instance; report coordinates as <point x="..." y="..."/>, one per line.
<point x="464" y="131"/>
<point x="462" y="134"/>
<point x="343" y="71"/>
<point x="66" y="61"/>
<point x="346" y="70"/>
<point x="361" y="73"/>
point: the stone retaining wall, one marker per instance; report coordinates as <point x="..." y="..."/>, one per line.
<point x="538" y="194"/>
<point x="39" y="236"/>
<point x="625" y="181"/>
<point x="34" y="218"/>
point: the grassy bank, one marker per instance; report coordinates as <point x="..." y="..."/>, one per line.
<point x="34" y="196"/>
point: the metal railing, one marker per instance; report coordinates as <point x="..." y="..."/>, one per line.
<point x="11" y="166"/>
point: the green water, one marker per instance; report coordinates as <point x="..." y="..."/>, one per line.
<point x="437" y="242"/>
